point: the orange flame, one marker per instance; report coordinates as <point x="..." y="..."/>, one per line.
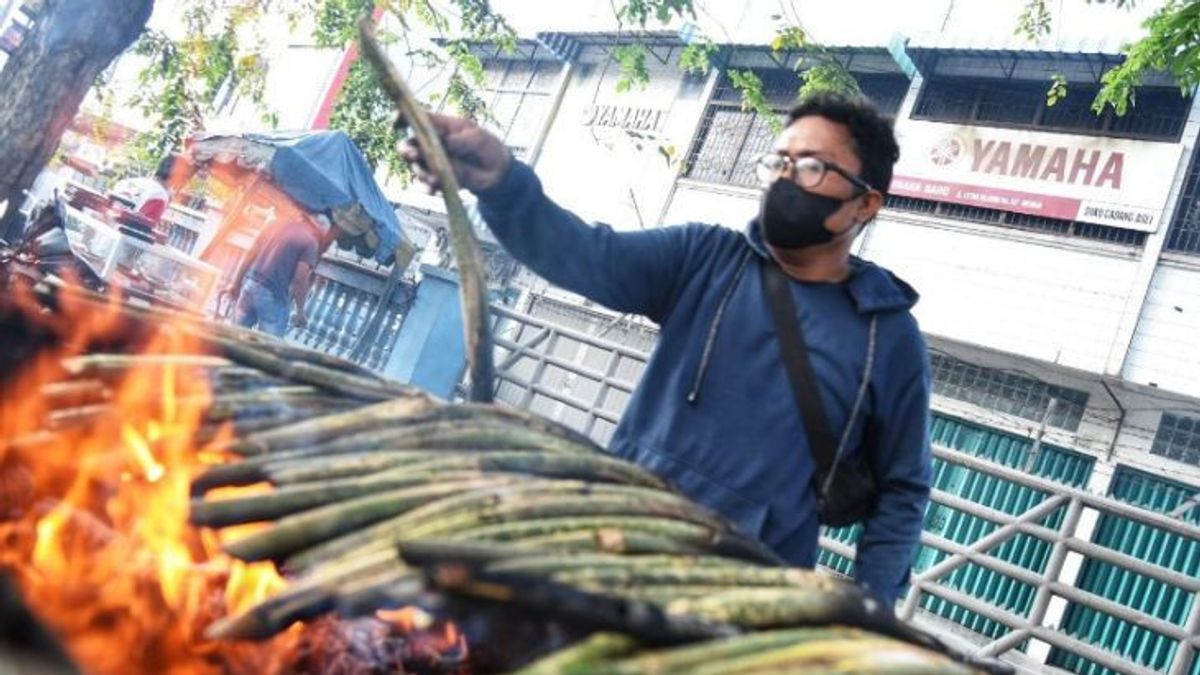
<point x="93" y="517"/>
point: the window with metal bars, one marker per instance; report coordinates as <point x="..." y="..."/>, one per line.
<point x="1178" y="438"/>
<point x="1018" y="221"/>
<point x="1008" y="392"/>
<point x="1159" y="113"/>
<point x="518" y="96"/>
<point x="732" y="139"/>
<point x="1184" y="236"/>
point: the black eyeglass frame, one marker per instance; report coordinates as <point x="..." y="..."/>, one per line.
<point x="788" y="163"/>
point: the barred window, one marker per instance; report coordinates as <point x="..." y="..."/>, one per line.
<point x="1159" y="114"/>
<point x="731" y="139"/>
<point x="1178" y="438"/>
<point x="518" y="96"/>
<point x="1184" y="235"/>
<point x="1019" y="221"/>
<point x="1008" y="392"/>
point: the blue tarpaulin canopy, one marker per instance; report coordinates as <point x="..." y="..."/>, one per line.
<point x="323" y="172"/>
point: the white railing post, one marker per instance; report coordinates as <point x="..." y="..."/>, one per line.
<point x="999" y="536"/>
<point x="1189" y="649"/>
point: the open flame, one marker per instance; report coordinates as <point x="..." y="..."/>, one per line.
<point x="93" y="513"/>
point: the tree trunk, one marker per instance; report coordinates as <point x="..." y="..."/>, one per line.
<point x="47" y="78"/>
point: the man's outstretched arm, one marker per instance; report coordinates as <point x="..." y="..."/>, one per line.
<point x="636" y="272"/>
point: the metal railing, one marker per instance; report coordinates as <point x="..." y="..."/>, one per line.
<point x="585" y="380"/>
<point x="1065" y="539"/>
<point x="340" y="307"/>
<point x="563" y="374"/>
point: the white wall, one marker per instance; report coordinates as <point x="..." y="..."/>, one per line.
<point x="1165" y="351"/>
<point x="608" y="174"/>
<point x="1118" y="425"/>
<point x="725" y="205"/>
<point x="1008" y="291"/>
<point x="298" y="78"/>
<point x="859" y="22"/>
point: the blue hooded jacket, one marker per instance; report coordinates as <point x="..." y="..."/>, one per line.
<point x="714" y="412"/>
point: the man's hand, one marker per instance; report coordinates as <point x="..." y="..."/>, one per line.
<point x="300" y="320"/>
<point x="234" y="293"/>
<point x="479" y="159"/>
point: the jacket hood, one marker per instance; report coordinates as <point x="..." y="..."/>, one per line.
<point x="872" y="288"/>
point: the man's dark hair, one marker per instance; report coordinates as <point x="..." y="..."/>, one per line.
<point x="874" y="139"/>
<point x="165" y="165"/>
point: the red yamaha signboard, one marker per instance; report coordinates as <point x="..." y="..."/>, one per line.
<point x="1108" y="181"/>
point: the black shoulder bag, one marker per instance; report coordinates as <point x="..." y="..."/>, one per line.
<point x="846" y="494"/>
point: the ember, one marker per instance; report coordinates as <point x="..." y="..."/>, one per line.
<point x="430" y="646"/>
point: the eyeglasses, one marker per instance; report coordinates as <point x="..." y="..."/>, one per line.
<point x="807" y="172"/>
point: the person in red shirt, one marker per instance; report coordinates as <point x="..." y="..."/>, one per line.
<point x="148" y="197"/>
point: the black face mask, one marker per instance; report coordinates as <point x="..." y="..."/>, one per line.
<point x="792" y="217"/>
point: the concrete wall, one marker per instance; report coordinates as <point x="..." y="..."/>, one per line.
<point x="1162" y="350"/>
<point x="610" y="171"/>
<point x="1016" y="292"/>
<point x="429" y="351"/>
<point x="1165" y="352"/>
<point x="1118" y="425"/>
<point x="726" y="205"/>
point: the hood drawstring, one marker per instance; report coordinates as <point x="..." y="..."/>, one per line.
<point x="715" y="326"/>
<point x="858" y="401"/>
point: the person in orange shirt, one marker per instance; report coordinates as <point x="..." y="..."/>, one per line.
<point x="277" y="273"/>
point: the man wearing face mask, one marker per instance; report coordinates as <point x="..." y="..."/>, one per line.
<point x="716" y="411"/>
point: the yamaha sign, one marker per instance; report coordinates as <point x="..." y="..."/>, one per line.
<point x="1107" y="181"/>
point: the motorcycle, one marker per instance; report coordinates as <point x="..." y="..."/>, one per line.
<point x="45" y="248"/>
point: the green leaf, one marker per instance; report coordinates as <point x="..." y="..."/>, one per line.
<point x="1172" y="42"/>
<point x="753" y="99"/>
<point x="1058" y="89"/>
<point x="1034" y="20"/>
<point x="791" y="37"/>
<point x="480" y="23"/>
<point x="638" y="12"/>
<point x="335" y="21"/>
<point x="697" y="57"/>
<point x="669" y="153"/>
<point x="828" y="76"/>
<point x="631" y="64"/>
<point x="366" y="115"/>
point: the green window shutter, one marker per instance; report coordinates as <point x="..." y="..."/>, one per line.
<point x="1058" y="464"/>
<point x="1151" y="596"/>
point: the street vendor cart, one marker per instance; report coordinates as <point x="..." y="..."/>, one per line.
<point x="277" y="175"/>
<point x="267" y="177"/>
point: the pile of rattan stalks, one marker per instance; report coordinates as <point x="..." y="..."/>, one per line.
<point x="374" y="495"/>
<point x="392" y="504"/>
